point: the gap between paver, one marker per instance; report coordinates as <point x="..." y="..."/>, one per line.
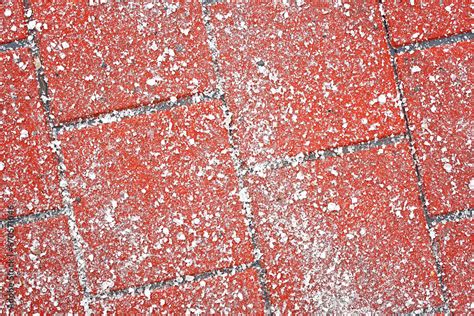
<point x="11" y="221"/>
<point x="416" y="164"/>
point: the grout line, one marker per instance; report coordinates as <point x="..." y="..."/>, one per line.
<point x="416" y="163"/>
<point x="210" y="2"/>
<point x="435" y="42"/>
<point x="11" y="260"/>
<point x="14" y="45"/>
<point x="116" y="116"/>
<point x="428" y="310"/>
<point x="180" y="280"/>
<point x="451" y="217"/>
<point x="31" y="218"/>
<point x="66" y="197"/>
<point x="323" y="154"/>
<point x="243" y="192"/>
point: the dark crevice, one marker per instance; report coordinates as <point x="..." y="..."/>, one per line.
<point x="416" y="163"/>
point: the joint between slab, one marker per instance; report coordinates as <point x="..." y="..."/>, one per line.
<point x="416" y="164"/>
<point x="14" y="45"/>
<point x="180" y="280"/>
<point x="323" y="154"/>
<point x="235" y="155"/>
<point x="452" y="39"/>
<point x="116" y="116"/>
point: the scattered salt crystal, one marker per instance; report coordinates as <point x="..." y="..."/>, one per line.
<point x="382" y="99"/>
<point x="471" y="182"/>
<point x="31" y="25"/>
<point x="23" y="134"/>
<point x="151" y="82"/>
<point x="2" y="166"/>
<point x="448" y="167"/>
<point x="333" y="207"/>
<point x="415" y="69"/>
<point x="181" y="236"/>
<point x="8" y="12"/>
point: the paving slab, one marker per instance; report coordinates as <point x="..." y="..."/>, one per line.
<point x="345" y="235"/>
<point x="416" y="21"/>
<point x="292" y="89"/>
<point x="120" y="54"/>
<point x="156" y="197"/>
<point x="13" y="25"/>
<point x="29" y="181"/>
<point x="438" y="88"/>
<point x="456" y="248"/>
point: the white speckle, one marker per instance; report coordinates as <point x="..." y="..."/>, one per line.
<point x="23" y="134"/>
<point x="2" y="166"/>
<point x="65" y="45"/>
<point x="448" y="167"/>
<point x="185" y="31"/>
<point x="181" y="236"/>
<point x="471" y="182"/>
<point x="166" y="231"/>
<point x="363" y="231"/>
<point x="91" y="176"/>
<point x="301" y="195"/>
<point x="333" y="207"/>
<point x="382" y="99"/>
<point x="415" y="69"/>
<point x="8" y="12"/>
<point x="151" y="82"/>
<point x="31" y="25"/>
<point x="154" y="46"/>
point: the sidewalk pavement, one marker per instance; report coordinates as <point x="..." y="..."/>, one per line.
<point x="236" y="158"/>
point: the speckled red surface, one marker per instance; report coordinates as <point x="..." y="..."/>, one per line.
<point x="251" y="158"/>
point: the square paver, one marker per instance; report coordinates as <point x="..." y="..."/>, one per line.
<point x="304" y="78"/>
<point x="234" y="294"/>
<point x="345" y="235"/>
<point x="156" y="197"/>
<point x="438" y="88"/>
<point x="456" y="250"/>
<point x="120" y="54"/>
<point x="46" y="278"/>
<point x="12" y="21"/>
<point x="29" y="180"/>
<point x="416" y="21"/>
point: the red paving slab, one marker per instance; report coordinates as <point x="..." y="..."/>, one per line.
<point x="4" y="268"/>
<point x="28" y="169"/>
<point x="235" y="294"/>
<point x="12" y="22"/>
<point x="438" y="88"/>
<point x="120" y="54"/>
<point x="345" y="235"/>
<point x="157" y="197"/>
<point x="45" y="268"/>
<point x="416" y="21"/>
<point x="456" y="250"/>
<point x="292" y="88"/>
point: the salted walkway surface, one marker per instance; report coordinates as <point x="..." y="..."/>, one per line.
<point x="236" y="158"/>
